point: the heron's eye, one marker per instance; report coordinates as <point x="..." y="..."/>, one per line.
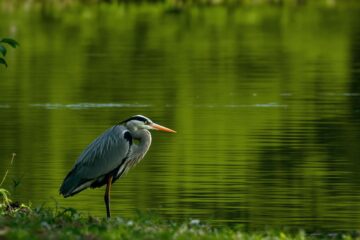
<point x="146" y="122"/>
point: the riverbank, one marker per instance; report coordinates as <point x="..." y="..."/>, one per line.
<point x="24" y="222"/>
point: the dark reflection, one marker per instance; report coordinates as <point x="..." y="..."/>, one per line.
<point x="264" y="100"/>
<point x="307" y="170"/>
<point x="353" y="136"/>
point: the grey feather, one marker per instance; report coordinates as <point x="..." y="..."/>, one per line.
<point x="104" y="155"/>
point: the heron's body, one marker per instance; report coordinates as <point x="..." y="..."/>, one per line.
<point x="110" y="156"/>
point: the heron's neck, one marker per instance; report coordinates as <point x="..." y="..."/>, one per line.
<point x="144" y="138"/>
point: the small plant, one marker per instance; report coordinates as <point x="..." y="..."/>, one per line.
<point x="3" y="50"/>
<point x="4" y="194"/>
<point x="6" y="201"/>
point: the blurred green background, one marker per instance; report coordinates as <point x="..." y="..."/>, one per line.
<point x="264" y="95"/>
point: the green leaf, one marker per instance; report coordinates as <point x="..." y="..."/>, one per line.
<point x="10" y="41"/>
<point x="2" y="61"/>
<point x="3" y="50"/>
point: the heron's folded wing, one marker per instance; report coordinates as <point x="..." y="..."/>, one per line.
<point x="105" y="154"/>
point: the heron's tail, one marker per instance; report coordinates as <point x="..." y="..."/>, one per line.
<point x="73" y="184"/>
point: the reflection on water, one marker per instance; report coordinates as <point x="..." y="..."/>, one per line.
<point x="87" y="105"/>
<point x="265" y="102"/>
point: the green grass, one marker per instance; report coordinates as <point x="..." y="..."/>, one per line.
<point x="22" y="222"/>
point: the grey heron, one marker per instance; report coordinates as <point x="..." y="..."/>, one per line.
<point x="110" y="156"/>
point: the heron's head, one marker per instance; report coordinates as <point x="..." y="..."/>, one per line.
<point x="141" y="122"/>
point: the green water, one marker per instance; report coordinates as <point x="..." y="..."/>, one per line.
<point x="265" y="101"/>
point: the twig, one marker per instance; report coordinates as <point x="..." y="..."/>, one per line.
<point x="7" y="170"/>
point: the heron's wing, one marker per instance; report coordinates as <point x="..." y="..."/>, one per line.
<point x="105" y="154"/>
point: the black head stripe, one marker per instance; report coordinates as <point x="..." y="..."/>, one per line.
<point x="138" y="118"/>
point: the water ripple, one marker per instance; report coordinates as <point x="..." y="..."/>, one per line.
<point x="4" y="106"/>
<point x="87" y="105"/>
<point x="258" y="105"/>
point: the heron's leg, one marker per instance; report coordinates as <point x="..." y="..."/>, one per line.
<point x="107" y="196"/>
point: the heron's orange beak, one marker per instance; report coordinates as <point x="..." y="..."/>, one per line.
<point x="161" y="128"/>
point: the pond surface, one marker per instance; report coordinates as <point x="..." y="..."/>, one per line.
<point x="265" y="101"/>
